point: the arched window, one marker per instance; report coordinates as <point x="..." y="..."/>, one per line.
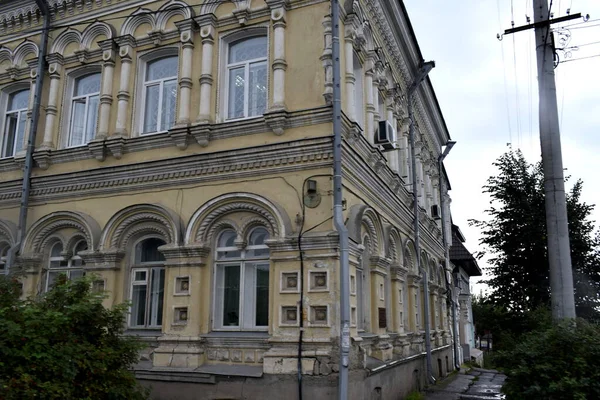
<point x="4" y="247"/>
<point x="147" y="285"/>
<point x="58" y="264"/>
<point x="160" y="94"/>
<point x="242" y="282"/>
<point x="15" y="118"/>
<point x="84" y="109"/>
<point x="247" y="77"/>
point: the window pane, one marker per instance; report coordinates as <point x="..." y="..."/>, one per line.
<point x="248" y="49"/>
<point x="231" y="295"/>
<point x="257" y="91"/>
<point x="80" y="246"/>
<point x="157" y="296"/>
<point x="226" y="239"/>
<point x="77" y="122"/>
<point x="87" y="85"/>
<point x="359" y="299"/>
<point x="138" y="305"/>
<point x="92" y="119"/>
<point x="151" y="108"/>
<point x="149" y="251"/>
<point x="18" y="101"/>
<point x="162" y="68"/>
<point x="56" y="250"/>
<point x="258" y="237"/>
<point x="139" y="275"/>
<point x="262" y="295"/>
<point x="169" y="99"/>
<point x="52" y="276"/>
<point x="21" y="131"/>
<point x="236" y="93"/>
<point x="9" y="135"/>
<point x="76" y="274"/>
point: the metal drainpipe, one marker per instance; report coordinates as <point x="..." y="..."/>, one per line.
<point x="338" y="217"/>
<point x="449" y="285"/>
<point x="39" y="82"/>
<point x="421" y="74"/>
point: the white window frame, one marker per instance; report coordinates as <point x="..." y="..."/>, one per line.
<point x="248" y="268"/>
<point x="72" y="77"/>
<point x="4" y="97"/>
<point x="69" y="269"/>
<point x="149" y="267"/>
<point x="223" y="95"/>
<point x="140" y="97"/>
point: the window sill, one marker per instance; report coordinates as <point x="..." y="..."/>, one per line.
<point x="237" y="334"/>
<point x="148" y="333"/>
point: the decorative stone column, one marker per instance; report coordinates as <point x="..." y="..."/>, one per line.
<point x="201" y="129"/>
<point x="326" y="59"/>
<point x="186" y="36"/>
<point x="55" y="62"/>
<point x="179" y="132"/>
<point x="419" y="166"/>
<point x="372" y="99"/>
<point x="349" y="67"/>
<point x="276" y="115"/>
<point x="389" y="108"/>
<point x="405" y="150"/>
<point x="116" y="141"/>
<point x="106" y="100"/>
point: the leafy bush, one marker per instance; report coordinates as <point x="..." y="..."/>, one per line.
<point x="558" y="363"/>
<point x="415" y="396"/>
<point x="64" y="345"/>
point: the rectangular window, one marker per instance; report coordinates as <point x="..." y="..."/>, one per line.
<point x="15" y="119"/>
<point x="147" y="295"/>
<point x="84" y="110"/>
<point x="247" y="77"/>
<point x="160" y="94"/>
<point x="242" y="296"/>
<point x="359" y="92"/>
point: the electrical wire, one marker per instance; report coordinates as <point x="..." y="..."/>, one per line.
<point x="505" y="80"/>
<point x="580" y="58"/>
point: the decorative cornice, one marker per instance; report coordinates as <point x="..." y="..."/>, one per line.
<point x="175" y="172"/>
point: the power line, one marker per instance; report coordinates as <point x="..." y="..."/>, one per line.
<point x="580" y="58"/>
<point x="505" y="81"/>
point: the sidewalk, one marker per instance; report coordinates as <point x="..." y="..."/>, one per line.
<point x="476" y="384"/>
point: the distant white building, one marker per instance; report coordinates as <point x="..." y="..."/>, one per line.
<point x="464" y="267"/>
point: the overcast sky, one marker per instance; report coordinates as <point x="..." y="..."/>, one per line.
<point x="483" y="113"/>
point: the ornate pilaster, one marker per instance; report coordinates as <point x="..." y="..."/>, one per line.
<point x="326" y="59"/>
<point x="106" y="100"/>
<point x="278" y="18"/>
<point x="372" y="99"/>
<point x="349" y="67"/>
<point x="404" y="149"/>
<point x="55" y="71"/>
<point x="207" y="34"/>
<point x="116" y="142"/>
<point x="187" y="29"/>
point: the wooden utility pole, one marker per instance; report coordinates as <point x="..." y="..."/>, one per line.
<point x="559" y="253"/>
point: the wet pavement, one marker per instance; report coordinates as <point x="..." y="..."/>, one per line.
<point x="476" y="384"/>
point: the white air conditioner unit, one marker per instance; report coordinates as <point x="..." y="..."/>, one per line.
<point x="385" y="135"/>
<point x="435" y="212"/>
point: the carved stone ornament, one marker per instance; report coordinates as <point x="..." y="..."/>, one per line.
<point x="115" y="145"/>
<point x="97" y="149"/>
<point x="201" y="133"/>
<point x="180" y="135"/>
<point x="42" y="158"/>
<point x="276" y="120"/>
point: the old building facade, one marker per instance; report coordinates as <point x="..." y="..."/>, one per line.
<point x="183" y="155"/>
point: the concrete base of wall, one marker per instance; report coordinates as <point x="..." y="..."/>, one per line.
<point x="385" y="383"/>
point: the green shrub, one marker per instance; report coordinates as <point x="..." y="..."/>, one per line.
<point x="415" y="396"/>
<point x="64" y="345"/>
<point x="558" y="363"/>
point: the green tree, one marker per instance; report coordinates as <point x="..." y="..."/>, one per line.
<point x="64" y="345"/>
<point x="515" y="237"/>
